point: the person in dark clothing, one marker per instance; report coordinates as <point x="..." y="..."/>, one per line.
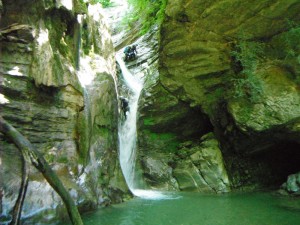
<point x="133" y="49"/>
<point x="124" y="105"/>
<point x="130" y="52"/>
<point x="127" y="50"/>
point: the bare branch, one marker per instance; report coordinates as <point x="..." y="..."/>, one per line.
<point x="29" y="152"/>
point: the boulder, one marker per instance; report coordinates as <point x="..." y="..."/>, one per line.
<point x="292" y="185"/>
<point x="201" y="167"/>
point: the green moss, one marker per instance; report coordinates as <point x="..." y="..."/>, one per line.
<point x="213" y="98"/>
<point x="60" y="24"/>
<point x="167" y="141"/>
<point x="104" y="3"/>
<point x="155" y="136"/>
<point x="49" y="158"/>
<point x="80" y="7"/>
<point x="292" y="42"/>
<point x="63" y="159"/>
<point x="245" y="112"/>
<point x="104" y="132"/>
<point x="82" y="138"/>
<point x="86" y="42"/>
<point x="285" y="51"/>
<point x="247" y="57"/>
<point x="149" y="122"/>
<point x="57" y="69"/>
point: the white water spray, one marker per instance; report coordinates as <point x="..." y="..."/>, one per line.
<point x="127" y="128"/>
<point x="128" y="138"/>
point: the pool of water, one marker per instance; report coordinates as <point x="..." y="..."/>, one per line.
<point x="200" y="209"/>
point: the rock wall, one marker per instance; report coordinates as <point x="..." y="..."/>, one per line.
<point x="230" y="68"/>
<point x="163" y="129"/>
<point x="74" y="127"/>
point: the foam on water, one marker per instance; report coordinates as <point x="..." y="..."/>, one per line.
<point x="154" y="195"/>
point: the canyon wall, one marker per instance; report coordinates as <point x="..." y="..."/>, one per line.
<point x="227" y="85"/>
<point x="44" y="47"/>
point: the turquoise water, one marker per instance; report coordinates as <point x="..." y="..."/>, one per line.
<point x="199" y="209"/>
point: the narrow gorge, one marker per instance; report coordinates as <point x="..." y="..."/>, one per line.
<point x="214" y="110"/>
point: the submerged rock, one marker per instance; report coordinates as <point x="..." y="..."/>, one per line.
<point x="292" y="185"/>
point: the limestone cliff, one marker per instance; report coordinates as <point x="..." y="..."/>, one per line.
<point x="44" y="47"/>
<point x="231" y="68"/>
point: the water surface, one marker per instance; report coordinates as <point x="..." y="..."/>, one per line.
<point x="199" y="209"/>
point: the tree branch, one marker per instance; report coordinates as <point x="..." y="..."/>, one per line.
<point x="28" y="151"/>
<point x="17" y="210"/>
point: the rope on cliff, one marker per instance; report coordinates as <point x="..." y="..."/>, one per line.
<point x="29" y="152"/>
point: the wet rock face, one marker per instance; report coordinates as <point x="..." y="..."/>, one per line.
<point x="42" y="97"/>
<point x="165" y="123"/>
<point x="201" y="167"/>
<point x="239" y="63"/>
<point x="196" y="54"/>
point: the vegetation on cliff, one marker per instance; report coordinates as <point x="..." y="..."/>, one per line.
<point x="246" y="56"/>
<point x="147" y="13"/>
<point x="104" y="3"/>
<point x="41" y="96"/>
<point x="238" y="67"/>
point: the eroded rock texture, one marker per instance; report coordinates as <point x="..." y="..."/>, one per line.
<point x="42" y="97"/>
<point x="231" y="68"/>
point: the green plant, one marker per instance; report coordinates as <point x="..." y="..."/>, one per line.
<point x="292" y="41"/>
<point x="290" y="50"/>
<point x="49" y="158"/>
<point x="63" y="159"/>
<point x="246" y="83"/>
<point x="104" y="3"/>
<point x="147" y="13"/>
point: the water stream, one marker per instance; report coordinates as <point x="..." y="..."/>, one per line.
<point x="127" y="128"/>
<point x="128" y="137"/>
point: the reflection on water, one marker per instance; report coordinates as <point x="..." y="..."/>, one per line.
<point x="199" y="209"/>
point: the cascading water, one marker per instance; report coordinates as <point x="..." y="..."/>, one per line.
<point x="128" y="137"/>
<point x="127" y="128"/>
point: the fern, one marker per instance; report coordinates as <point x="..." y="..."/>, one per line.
<point x="247" y="84"/>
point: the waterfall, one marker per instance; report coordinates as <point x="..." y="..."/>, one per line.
<point x="127" y="128"/>
<point x="128" y="137"/>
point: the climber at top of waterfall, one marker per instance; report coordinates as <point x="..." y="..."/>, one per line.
<point x="124" y="105"/>
<point x="130" y="52"/>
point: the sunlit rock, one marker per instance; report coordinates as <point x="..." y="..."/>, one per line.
<point x="73" y="124"/>
<point x="237" y="65"/>
<point x="279" y="103"/>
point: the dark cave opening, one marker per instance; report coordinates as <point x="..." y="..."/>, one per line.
<point x="193" y="125"/>
<point x="276" y="163"/>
